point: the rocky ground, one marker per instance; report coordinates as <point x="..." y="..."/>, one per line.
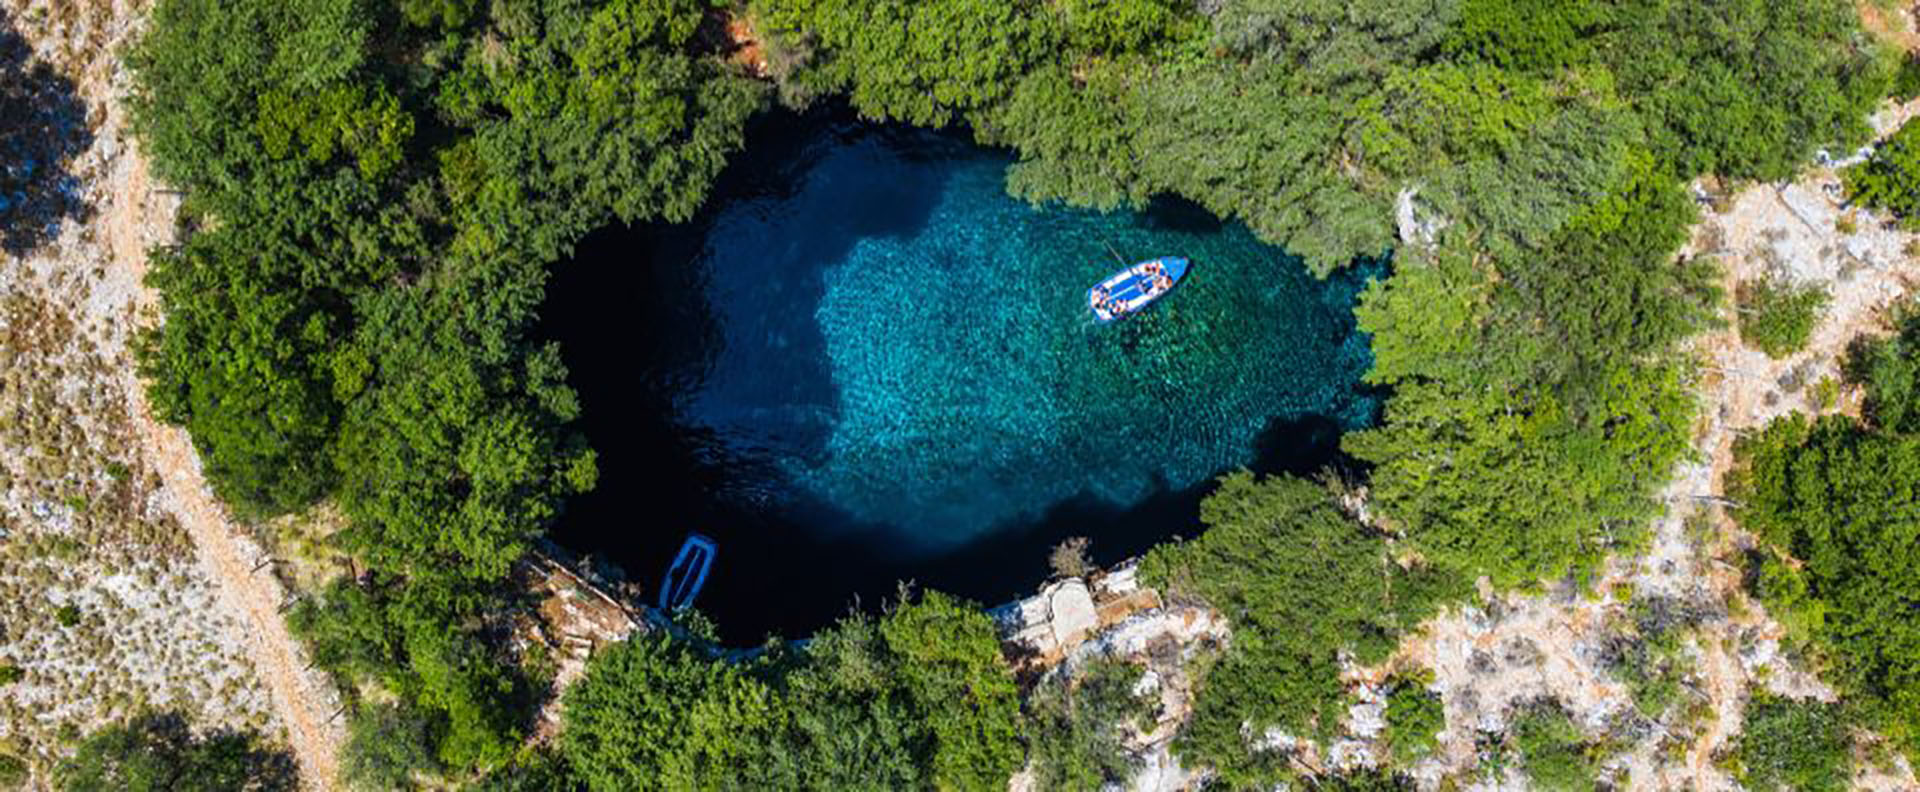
<point x="1584" y="646"/>
<point x="122" y="585"/>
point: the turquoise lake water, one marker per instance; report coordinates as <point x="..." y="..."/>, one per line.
<point x="866" y="342"/>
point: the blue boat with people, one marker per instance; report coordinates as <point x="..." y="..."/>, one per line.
<point x="1128" y="291"/>
<point x="688" y="572"/>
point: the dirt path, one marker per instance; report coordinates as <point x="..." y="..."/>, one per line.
<point x="109" y="254"/>
<point x="305" y="701"/>
<point x="136" y="217"/>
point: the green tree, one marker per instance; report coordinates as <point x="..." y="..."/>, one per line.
<point x="1798" y="745"/>
<point x="1778" y="318"/>
<point x="203" y="68"/>
<point x="652" y="713"/>
<point x="456" y="453"/>
<point x="1745" y="88"/>
<point x="156" y="752"/>
<point x="853" y="723"/>
<point x="960" y="686"/>
<point x="1890" y="179"/>
<point x="1529" y="35"/>
<point x="1552" y="750"/>
<point x="1832" y="496"/>
<point x="1889" y="370"/>
<point x="590" y="110"/>
<point x="919" y="62"/>
<point x="1080" y="719"/>
<point x="1300" y="582"/>
<point x="1414" y="716"/>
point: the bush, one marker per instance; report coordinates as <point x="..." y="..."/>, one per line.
<point x="1552" y="750"/>
<point x="1069" y="557"/>
<point x="1890" y="179"/>
<point x="13" y="772"/>
<point x="1778" y="318"/>
<point x="1889" y="369"/>
<point x="1652" y="657"/>
<point x="1415" y="717"/>
<point x="1788" y="744"/>
<point x="1079" y="722"/>
<point x="10" y="673"/>
<point x="1906" y="81"/>
<point x="159" y="753"/>
<point x="67" y="615"/>
<point x="1301" y="582"/>
<point x="387" y="745"/>
<point x="1828" y="497"/>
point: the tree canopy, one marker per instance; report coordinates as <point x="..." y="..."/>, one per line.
<point x="375" y="190"/>
<point x="160" y="751"/>
<point x="1833" y="500"/>
<point x="1300" y="582"/>
<point x="920" y="698"/>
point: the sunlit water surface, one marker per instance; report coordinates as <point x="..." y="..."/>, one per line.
<point x="868" y="361"/>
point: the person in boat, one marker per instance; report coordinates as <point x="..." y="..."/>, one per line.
<point x="1162" y="283"/>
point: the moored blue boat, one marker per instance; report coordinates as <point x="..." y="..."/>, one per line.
<point x="688" y="572"/>
<point x="1128" y="291"/>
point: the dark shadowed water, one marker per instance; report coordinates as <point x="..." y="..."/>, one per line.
<point x="865" y="363"/>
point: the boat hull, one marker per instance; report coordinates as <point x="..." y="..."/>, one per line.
<point x="688" y="573"/>
<point x="1131" y="290"/>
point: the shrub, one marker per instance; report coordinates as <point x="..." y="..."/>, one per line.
<point x="1890" y="178"/>
<point x="1906" y="81"/>
<point x="1552" y="750"/>
<point x="1079" y="722"/>
<point x="10" y="673"/>
<point x="67" y="615"/>
<point x="387" y="744"/>
<point x="158" y="752"/>
<point x="1789" y="744"/>
<point x="1652" y="656"/>
<point x="1889" y="369"/>
<point x="1415" y="717"/>
<point x="13" y="772"/>
<point x="1069" y="557"/>
<point x="1778" y="318"/>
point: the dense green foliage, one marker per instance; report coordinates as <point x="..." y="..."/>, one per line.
<point x="1553" y="753"/>
<point x="1301" y="582"/>
<point x="375" y="189"/>
<point x="1834" y="502"/>
<point x="13" y="772"/>
<point x="920" y="698"/>
<point x="1078" y="723"/>
<point x="653" y="713"/>
<point x="1890" y="179"/>
<point x="159" y="753"/>
<point x="388" y="745"/>
<point x="374" y="194"/>
<point x="1651" y="655"/>
<point x="1778" y="318"/>
<point x="1414" y="718"/>
<point x="1798" y="745"/>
